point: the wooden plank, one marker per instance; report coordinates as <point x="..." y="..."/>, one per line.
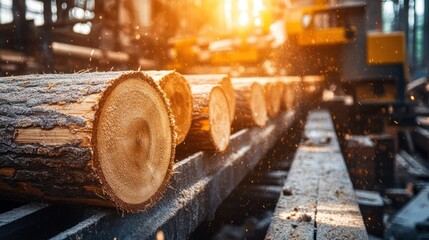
<point x="200" y="184"/>
<point x="318" y="186"/>
<point x="338" y="214"/>
<point x="288" y="218"/>
<point x="298" y="200"/>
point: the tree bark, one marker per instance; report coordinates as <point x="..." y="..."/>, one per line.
<point x="289" y="91"/>
<point x="103" y="139"/>
<point x="179" y="94"/>
<point x="273" y="95"/>
<point x="217" y="79"/>
<point x="210" y="129"/>
<point x="272" y="91"/>
<point x="251" y="107"/>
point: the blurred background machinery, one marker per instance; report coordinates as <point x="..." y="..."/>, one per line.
<point x="69" y="36"/>
<point x="274" y="36"/>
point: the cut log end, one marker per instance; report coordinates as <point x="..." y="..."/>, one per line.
<point x="219" y="119"/>
<point x="258" y="105"/>
<point x="217" y="79"/>
<point x="179" y="93"/>
<point x="134" y="142"/>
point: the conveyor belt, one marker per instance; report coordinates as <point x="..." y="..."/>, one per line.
<point x="200" y="183"/>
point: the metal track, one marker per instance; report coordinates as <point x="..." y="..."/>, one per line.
<point x="200" y="183"/>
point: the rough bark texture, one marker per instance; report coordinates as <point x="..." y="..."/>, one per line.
<point x="251" y="107"/>
<point x="48" y="138"/>
<point x="210" y="128"/>
<point x="217" y="79"/>
<point x="272" y="91"/>
<point x="179" y="94"/>
<point x="289" y="91"/>
<point x="273" y="96"/>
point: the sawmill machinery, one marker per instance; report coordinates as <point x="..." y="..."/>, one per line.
<point x="340" y="40"/>
<point x="344" y="42"/>
<point x="75" y="35"/>
<point x="276" y="37"/>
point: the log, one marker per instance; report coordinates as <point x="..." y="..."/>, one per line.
<point x="288" y="98"/>
<point x="272" y="92"/>
<point x="217" y="79"/>
<point x="179" y="94"/>
<point x="71" y="50"/>
<point x="289" y="91"/>
<point x="210" y="129"/>
<point x="273" y="96"/>
<point x="250" y="105"/>
<point x="104" y="139"/>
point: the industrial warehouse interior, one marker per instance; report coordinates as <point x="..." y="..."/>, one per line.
<point x="214" y="119"/>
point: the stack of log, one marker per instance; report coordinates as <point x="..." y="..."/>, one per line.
<point x="109" y="139"/>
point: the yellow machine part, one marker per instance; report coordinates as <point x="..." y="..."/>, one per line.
<point x="323" y="37"/>
<point x="385" y="48"/>
<point x="184" y="53"/>
<point x="294" y="22"/>
<point x="235" y="56"/>
<point x="309" y="36"/>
